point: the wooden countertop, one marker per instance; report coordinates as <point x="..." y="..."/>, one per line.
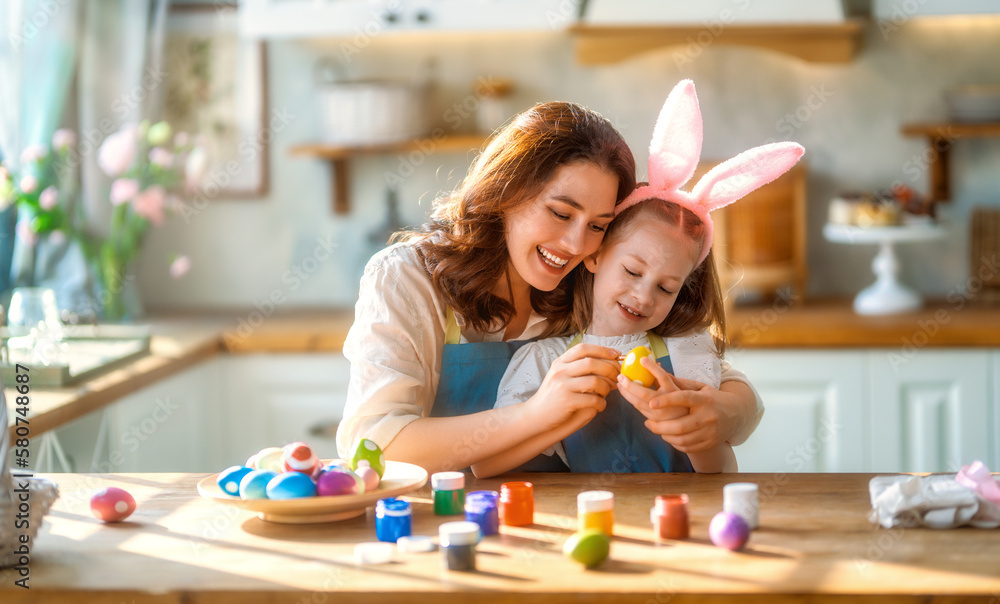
<point x="814" y="544"/>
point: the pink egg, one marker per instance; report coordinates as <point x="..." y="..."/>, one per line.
<point x="112" y="504"/>
<point x="369" y="476"/>
<point x="298" y="457"/>
<point x="729" y="530"/>
<point x="339" y="482"/>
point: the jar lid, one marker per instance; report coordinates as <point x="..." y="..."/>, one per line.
<point x="461" y="532"/>
<point x="447" y="481"/>
<point x="495" y="496"/>
<point x="479" y="501"/>
<point x="391" y="506"/>
<point x="668" y="503"/>
<point x="740" y="489"/>
<point x="525" y="488"/>
<point x="595" y="501"/>
<point x="415" y="544"/>
<point x="374" y="552"/>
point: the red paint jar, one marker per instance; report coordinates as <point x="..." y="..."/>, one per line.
<point x="670" y="517"/>
<point x="517" y="503"/>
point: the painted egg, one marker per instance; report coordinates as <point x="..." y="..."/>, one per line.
<point x="267" y="459"/>
<point x="112" y="504"/>
<point x="729" y="530"/>
<point x="339" y="481"/>
<point x="369" y="476"/>
<point x="336" y="463"/>
<point x="299" y="457"/>
<point x="634" y="370"/>
<point x="368" y="452"/>
<point x="254" y="484"/>
<point x="291" y="485"/>
<point x="229" y="479"/>
<point x="589" y="547"/>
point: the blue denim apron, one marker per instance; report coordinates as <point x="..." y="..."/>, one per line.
<point x="618" y="441"/>
<point x="470" y="376"/>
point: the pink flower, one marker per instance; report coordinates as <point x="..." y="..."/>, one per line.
<point x="117" y="152"/>
<point x="180" y="266"/>
<point x="23" y="232"/>
<point x="33" y="153"/>
<point x="181" y="139"/>
<point x="150" y="203"/>
<point x="161" y="157"/>
<point x="28" y="184"/>
<point x="49" y="198"/>
<point x="123" y="190"/>
<point x="63" y="139"/>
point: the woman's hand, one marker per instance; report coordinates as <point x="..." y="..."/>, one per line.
<point x="579" y="380"/>
<point x="689" y="415"/>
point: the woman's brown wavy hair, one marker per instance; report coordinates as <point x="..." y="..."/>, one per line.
<point x="463" y="245"/>
<point x="699" y="303"/>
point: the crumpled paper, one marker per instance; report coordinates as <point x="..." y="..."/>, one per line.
<point x="937" y="501"/>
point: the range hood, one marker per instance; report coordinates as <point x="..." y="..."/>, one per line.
<point x="901" y="10"/>
<point x="702" y="12"/>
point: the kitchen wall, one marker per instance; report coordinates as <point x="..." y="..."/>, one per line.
<point x="847" y="116"/>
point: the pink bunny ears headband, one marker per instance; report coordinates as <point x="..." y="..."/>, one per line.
<point x="673" y="156"/>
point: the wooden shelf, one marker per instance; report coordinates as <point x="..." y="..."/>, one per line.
<point x="821" y="43"/>
<point x="339" y="155"/>
<point x="940" y="137"/>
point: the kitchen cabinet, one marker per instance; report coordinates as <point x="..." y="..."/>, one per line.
<point x="872" y="410"/>
<point x="814" y="418"/>
<point x="940" y="137"/>
<point x="363" y="20"/>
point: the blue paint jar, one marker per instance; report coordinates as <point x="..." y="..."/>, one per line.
<point x="392" y="519"/>
<point x="482" y="507"/>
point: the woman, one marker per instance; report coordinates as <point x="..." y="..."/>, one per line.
<point x="440" y="314"/>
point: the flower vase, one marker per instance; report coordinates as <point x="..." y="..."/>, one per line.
<point x="118" y="299"/>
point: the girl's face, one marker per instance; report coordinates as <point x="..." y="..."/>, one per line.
<point x="637" y="278"/>
<point x="550" y="234"/>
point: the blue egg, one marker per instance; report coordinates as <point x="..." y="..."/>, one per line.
<point x="291" y="485"/>
<point x="229" y="479"/>
<point x="254" y="484"/>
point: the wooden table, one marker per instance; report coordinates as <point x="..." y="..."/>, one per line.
<point x="815" y="544"/>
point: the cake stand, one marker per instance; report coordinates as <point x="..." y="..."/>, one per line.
<point x="887" y="295"/>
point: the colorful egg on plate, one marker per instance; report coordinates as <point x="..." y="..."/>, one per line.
<point x="336" y="463"/>
<point x="299" y="457"/>
<point x="367" y="452"/>
<point x="291" y="485"/>
<point x="112" y="504"/>
<point x="633" y="369"/>
<point x="369" y="476"/>
<point x="729" y="530"/>
<point x="254" y="484"/>
<point x="229" y="479"/>
<point x="267" y="459"/>
<point x="339" y="481"/>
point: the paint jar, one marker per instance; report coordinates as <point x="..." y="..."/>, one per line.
<point x="481" y="507"/>
<point x="741" y="498"/>
<point x="449" y="493"/>
<point x="517" y="503"/>
<point x="392" y="519"/>
<point x="670" y="517"/>
<point x="458" y="544"/>
<point x="596" y="510"/>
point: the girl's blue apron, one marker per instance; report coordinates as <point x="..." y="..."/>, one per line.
<point x="618" y="441"/>
<point x="470" y="376"/>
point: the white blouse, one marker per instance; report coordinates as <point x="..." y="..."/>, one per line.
<point x="395" y="347"/>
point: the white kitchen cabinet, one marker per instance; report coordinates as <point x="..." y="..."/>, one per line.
<point x="363" y="20"/>
<point x="274" y="399"/>
<point x="814" y="419"/>
<point x="930" y="410"/>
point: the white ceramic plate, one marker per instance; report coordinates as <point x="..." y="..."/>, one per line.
<point x="399" y="478"/>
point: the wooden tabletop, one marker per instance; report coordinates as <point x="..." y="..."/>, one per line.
<point x="814" y="544"/>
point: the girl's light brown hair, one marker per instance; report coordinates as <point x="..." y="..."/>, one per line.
<point x="699" y="303"/>
<point x="463" y="245"/>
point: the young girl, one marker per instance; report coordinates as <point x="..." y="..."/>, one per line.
<point x="651" y="279"/>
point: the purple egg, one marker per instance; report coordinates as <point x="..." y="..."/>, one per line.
<point x="729" y="530"/>
<point x="338" y="481"/>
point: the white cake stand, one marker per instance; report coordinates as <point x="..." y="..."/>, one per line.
<point x="887" y="295"/>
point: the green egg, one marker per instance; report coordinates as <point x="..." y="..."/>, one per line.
<point x="589" y="547"/>
<point x="368" y="453"/>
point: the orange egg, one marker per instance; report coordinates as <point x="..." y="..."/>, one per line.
<point x="633" y="370"/>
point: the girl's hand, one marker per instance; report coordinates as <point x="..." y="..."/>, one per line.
<point x="642" y="398"/>
<point x="577" y="381"/>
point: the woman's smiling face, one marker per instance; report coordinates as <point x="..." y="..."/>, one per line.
<point x="550" y="234"/>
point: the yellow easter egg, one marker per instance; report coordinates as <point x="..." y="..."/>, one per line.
<point x="634" y="371"/>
